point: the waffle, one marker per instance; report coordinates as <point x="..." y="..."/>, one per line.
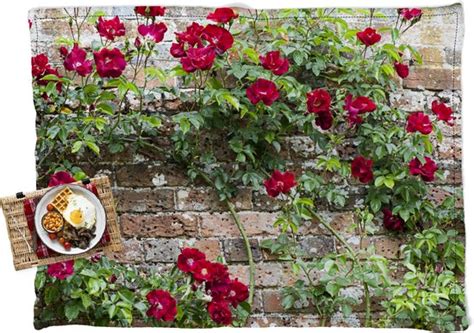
<point x="61" y="199"/>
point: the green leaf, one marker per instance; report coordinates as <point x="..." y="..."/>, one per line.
<point x="93" y="146"/>
<point x="105" y="108"/>
<point x="76" y="146"/>
<point x="51" y="295"/>
<point x="72" y="310"/>
<point x="389" y="182"/>
<point x="232" y="100"/>
<point x="379" y="181"/>
<point x="252" y="54"/>
<point x="86" y="301"/>
<point x="40" y="280"/>
<point x="92" y="19"/>
<point x="88" y="272"/>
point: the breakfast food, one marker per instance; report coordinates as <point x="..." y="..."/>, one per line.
<point x="80" y="212"/>
<point x="70" y="219"/>
<point x="53" y="222"/>
<point x="61" y="200"/>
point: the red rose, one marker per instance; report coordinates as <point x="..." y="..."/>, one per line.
<point x="39" y="65"/>
<point x="410" y="14"/>
<point x="192" y="35"/>
<point x="356" y="107"/>
<point x="137" y="43"/>
<point x="188" y="258"/>
<point x="318" y="100"/>
<point x="177" y="50"/>
<point x="109" y="63"/>
<point x="275" y="63"/>
<point x="219" y="272"/>
<point x="426" y="171"/>
<point x="203" y="271"/>
<point x="153" y="31"/>
<point x="63" y="51"/>
<point x="150" y="11"/>
<point x="60" y="178"/>
<point x="392" y="222"/>
<point x="263" y="90"/>
<point x="232" y="291"/>
<point x="219" y="291"/>
<point x="324" y="120"/>
<point x="61" y="270"/>
<point x="238" y="292"/>
<point x="219" y="312"/>
<point x="280" y="183"/>
<point x="369" y="36"/>
<point x="76" y="61"/>
<point x="444" y="112"/>
<point x="222" y="15"/>
<point x="162" y="305"/>
<point x="401" y="69"/>
<point x="361" y="169"/>
<point x="110" y="29"/>
<point x="219" y="38"/>
<point x="30" y="23"/>
<point x="418" y="121"/>
<point x="198" y="58"/>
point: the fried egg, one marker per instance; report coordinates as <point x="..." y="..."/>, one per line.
<point x="80" y="212"/>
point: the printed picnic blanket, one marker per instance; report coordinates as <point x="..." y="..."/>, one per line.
<point x="286" y="167"/>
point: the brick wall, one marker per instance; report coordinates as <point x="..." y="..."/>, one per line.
<point x="160" y="211"/>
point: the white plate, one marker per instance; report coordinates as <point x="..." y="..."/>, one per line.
<point x="41" y="210"/>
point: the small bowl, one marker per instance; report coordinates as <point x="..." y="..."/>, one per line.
<point x="52" y="213"/>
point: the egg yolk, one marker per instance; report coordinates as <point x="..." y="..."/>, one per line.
<point x="76" y="216"/>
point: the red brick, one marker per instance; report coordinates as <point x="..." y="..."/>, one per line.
<point x="265" y="320"/>
<point x="222" y="224"/>
<point x="132" y="252"/>
<point x="206" y="199"/>
<point x="386" y="246"/>
<point x="234" y="250"/>
<point x="273" y="275"/>
<point x="272" y="301"/>
<point x="449" y="149"/>
<point x="158" y="225"/>
<point x="143" y="175"/>
<point x="438" y="194"/>
<point x="433" y="78"/>
<point x="144" y="200"/>
<point x="164" y="250"/>
<point x="211" y="247"/>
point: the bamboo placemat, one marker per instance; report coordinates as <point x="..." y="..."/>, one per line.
<point x="24" y="255"/>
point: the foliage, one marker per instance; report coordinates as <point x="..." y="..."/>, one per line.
<point x="221" y="118"/>
<point x="106" y="293"/>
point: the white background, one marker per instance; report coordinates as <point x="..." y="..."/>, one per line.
<point x="17" y="136"/>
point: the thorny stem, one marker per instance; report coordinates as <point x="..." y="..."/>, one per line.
<point x="354" y="257"/>
<point x="248" y="249"/>
<point x="244" y="236"/>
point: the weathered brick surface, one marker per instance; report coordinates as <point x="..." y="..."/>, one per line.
<point x="221" y="224"/>
<point x="150" y="175"/>
<point x="158" y="225"/>
<point x="206" y="199"/>
<point x="161" y="210"/>
<point x="433" y="79"/>
<point x="144" y="200"/>
<point x="162" y="250"/>
<point x="234" y="250"/>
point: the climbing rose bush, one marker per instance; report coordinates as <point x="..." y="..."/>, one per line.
<point x="255" y="82"/>
<point x="105" y="292"/>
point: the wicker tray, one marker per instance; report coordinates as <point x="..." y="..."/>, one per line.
<point x="24" y="256"/>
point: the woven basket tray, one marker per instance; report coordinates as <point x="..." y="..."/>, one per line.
<point x="24" y="256"/>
